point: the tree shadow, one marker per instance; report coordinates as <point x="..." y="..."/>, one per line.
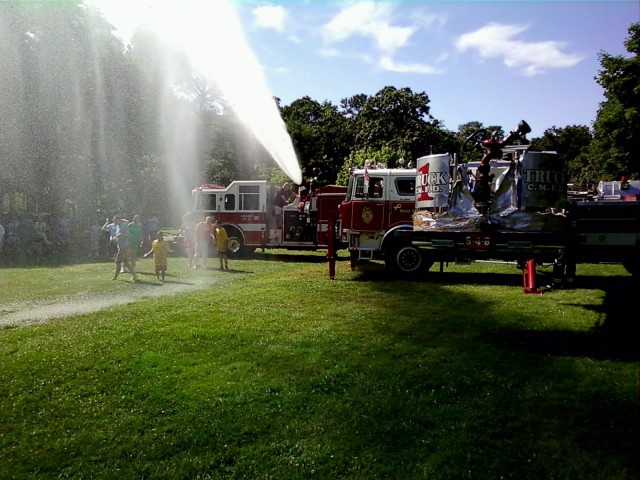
<point x="291" y="257"/>
<point x="612" y="337"/>
<point x="372" y="272"/>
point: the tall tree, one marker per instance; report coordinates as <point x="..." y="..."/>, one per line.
<point x="320" y="135"/>
<point x="397" y="118"/>
<point x="615" y="150"/>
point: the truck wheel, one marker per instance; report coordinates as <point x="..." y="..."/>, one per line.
<point x="235" y="243"/>
<point x="407" y="260"/>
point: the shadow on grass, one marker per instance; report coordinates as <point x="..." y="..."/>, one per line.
<point x="371" y="272"/>
<point x="612" y="337"/>
<point x="292" y="256"/>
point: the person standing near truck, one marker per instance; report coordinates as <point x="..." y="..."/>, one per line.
<point x="222" y="244"/>
<point x="204" y="234"/>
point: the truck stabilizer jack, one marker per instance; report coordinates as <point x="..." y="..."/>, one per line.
<point x="529" y="278"/>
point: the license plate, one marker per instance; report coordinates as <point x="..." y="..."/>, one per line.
<point x="477" y="241"/>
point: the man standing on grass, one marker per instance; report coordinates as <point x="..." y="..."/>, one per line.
<point x="203" y="234"/>
<point x="122" y="242"/>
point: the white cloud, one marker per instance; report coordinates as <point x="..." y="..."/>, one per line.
<point x="271" y="16"/>
<point x="531" y="58"/>
<point x="367" y="19"/>
<point x="389" y="64"/>
<point x="375" y="21"/>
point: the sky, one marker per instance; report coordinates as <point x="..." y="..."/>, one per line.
<point x="495" y="62"/>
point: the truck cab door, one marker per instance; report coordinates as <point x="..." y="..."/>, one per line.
<point x="401" y="194"/>
<point x="367" y="205"/>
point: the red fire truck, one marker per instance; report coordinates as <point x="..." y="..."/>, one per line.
<point x="248" y="212"/>
<point x="510" y="206"/>
<point x="379" y="202"/>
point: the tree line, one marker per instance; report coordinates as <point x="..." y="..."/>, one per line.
<point x="91" y="128"/>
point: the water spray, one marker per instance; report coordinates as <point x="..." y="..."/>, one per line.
<point x="209" y="34"/>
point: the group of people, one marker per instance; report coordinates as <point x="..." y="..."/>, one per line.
<point x="34" y="238"/>
<point x="128" y="237"/>
<point x="198" y="237"/>
<point x="285" y="195"/>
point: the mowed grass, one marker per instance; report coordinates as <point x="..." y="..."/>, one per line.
<point x="273" y="371"/>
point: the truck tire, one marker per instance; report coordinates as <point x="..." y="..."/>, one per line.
<point x="406" y="260"/>
<point x="235" y="243"/>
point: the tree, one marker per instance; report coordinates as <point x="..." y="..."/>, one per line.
<point x="385" y="156"/>
<point x="319" y="133"/>
<point x="397" y="118"/>
<point x="615" y="150"/>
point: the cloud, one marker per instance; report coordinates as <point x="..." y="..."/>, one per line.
<point x="369" y="20"/>
<point x="271" y="16"/>
<point x="532" y="58"/>
<point x="389" y="64"/>
<point x="373" y="21"/>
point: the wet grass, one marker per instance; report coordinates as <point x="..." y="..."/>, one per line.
<point x="277" y="372"/>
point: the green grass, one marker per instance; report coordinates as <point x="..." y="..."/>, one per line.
<point x="275" y="372"/>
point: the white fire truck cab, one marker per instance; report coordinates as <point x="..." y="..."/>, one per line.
<point x="247" y="211"/>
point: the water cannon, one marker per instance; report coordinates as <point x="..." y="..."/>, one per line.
<point x="522" y="129"/>
<point x="494" y="146"/>
<point x="494" y="142"/>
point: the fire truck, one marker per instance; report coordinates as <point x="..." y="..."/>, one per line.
<point x="380" y="202"/>
<point x="510" y="206"/>
<point x="248" y="212"/>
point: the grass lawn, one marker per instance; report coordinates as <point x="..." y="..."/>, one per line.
<point x="272" y="371"/>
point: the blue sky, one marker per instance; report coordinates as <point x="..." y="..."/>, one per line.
<point x="494" y="62"/>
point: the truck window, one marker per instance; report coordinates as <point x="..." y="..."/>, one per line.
<point x="376" y="185"/>
<point x="209" y="202"/>
<point x="195" y="200"/>
<point x="229" y="202"/>
<point x="406" y="187"/>
<point x="249" y="197"/>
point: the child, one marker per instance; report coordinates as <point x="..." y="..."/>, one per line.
<point x="221" y="239"/>
<point x="160" y="250"/>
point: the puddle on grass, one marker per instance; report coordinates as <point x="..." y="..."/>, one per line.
<point x="30" y="313"/>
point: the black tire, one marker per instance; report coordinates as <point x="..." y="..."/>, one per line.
<point x="235" y="243"/>
<point x="405" y="260"/>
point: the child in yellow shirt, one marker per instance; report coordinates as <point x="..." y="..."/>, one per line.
<point x="222" y="241"/>
<point x="160" y="249"/>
